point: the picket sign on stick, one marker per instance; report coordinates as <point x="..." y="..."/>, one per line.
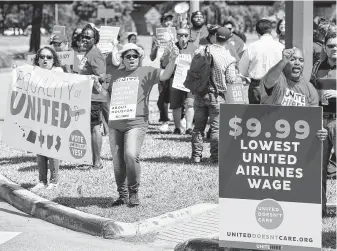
<point x="48" y="113"/>
<point x="183" y="65"/>
<point x="108" y="35"/>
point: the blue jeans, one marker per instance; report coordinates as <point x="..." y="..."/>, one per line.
<point x="204" y="107"/>
<point x="125" y="148"/>
<point x="329" y="123"/>
<point x="42" y="163"/>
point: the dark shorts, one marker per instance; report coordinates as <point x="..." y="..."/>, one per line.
<point x="96" y="110"/>
<point x="177" y="98"/>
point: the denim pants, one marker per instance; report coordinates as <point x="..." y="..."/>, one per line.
<point x="42" y="163"/>
<point x="204" y="107"/>
<point x="125" y="148"/>
<point x="329" y="123"/>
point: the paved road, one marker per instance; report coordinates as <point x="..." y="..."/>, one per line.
<point x="21" y="232"/>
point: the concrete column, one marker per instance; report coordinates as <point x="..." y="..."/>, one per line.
<point x="299" y="30"/>
<point x="194" y="6"/>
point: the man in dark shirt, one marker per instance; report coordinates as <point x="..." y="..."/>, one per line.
<point x="198" y="29"/>
<point x="324" y="79"/>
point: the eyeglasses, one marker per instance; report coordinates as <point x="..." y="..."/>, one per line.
<point x="57" y="44"/>
<point x="131" y="56"/>
<point x="331" y="46"/>
<point x="183" y="35"/>
<point x="44" y="56"/>
<point x="86" y="37"/>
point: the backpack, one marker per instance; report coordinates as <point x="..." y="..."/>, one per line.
<point x="199" y="75"/>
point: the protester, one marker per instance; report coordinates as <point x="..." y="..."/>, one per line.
<point x="259" y="57"/>
<point x="59" y="44"/>
<point x="324" y="74"/>
<point x="198" y="29"/>
<point x="234" y="40"/>
<point x="223" y="72"/>
<point x="76" y="40"/>
<point x="179" y="98"/>
<point x="93" y="63"/>
<point x="127" y="136"/>
<point x="46" y="58"/>
<point x="230" y="25"/>
<point x="132" y="38"/>
<point x="281" y="30"/>
<point x="163" y="87"/>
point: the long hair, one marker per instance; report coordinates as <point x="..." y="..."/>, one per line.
<point x="96" y="33"/>
<point x="56" y="61"/>
<point x="75" y="37"/>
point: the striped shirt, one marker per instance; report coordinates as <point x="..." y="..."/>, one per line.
<point x="223" y="68"/>
<point x="260" y="56"/>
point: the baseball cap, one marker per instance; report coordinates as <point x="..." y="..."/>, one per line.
<point x="223" y="33"/>
<point x="196" y="13"/>
<point x="165" y="16"/>
<point x="58" y="39"/>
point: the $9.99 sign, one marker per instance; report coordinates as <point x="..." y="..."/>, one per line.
<point x="270" y="177"/>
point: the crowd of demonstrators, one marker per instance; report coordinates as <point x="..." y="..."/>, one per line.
<point x="46" y="58"/>
<point x="324" y="74"/>
<point x="259" y="57"/>
<point x="126" y="136"/>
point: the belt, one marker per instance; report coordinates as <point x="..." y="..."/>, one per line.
<point x="329" y="115"/>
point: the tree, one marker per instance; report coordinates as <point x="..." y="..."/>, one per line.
<point x="35" y="37"/>
<point x="85" y="10"/>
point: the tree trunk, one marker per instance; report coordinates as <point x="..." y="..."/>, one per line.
<point x="35" y="37"/>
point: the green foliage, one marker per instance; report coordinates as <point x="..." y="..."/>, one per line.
<point x="85" y="9"/>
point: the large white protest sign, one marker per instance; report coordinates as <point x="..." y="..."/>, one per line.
<point x="107" y="34"/>
<point x="124" y="94"/>
<point x="183" y="65"/>
<point x="48" y="113"/>
<point x="165" y="36"/>
<point x="66" y="57"/>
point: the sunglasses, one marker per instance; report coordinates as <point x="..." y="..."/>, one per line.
<point x="44" y="56"/>
<point x="86" y="37"/>
<point x="131" y="56"/>
<point x="182" y="35"/>
<point x="331" y="46"/>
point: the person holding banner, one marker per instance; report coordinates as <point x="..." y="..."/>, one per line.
<point x="93" y="63"/>
<point x="47" y="58"/>
<point x="323" y="77"/>
<point x="129" y="92"/>
<point x="285" y="85"/>
<point x="181" y="98"/>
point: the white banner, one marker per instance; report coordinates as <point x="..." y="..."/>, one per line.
<point x="48" y="113"/>
<point x="107" y="34"/>
<point x="180" y="74"/>
<point x="66" y="57"/>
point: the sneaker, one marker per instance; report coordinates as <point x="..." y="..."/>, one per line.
<point x="164" y="127"/>
<point x="177" y="131"/>
<point x="120" y="201"/>
<point x="52" y="186"/>
<point x="183" y="124"/>
<point x="196" y="159"/>
<point x="133" y="200"/>
<point x="189" y="131"/>
<point x="39" y="186"/>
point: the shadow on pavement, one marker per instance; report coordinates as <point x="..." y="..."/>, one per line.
<point x="17" y="160"/>
<point x="102" y="202"/>
<point x="16" y="213"/>
<point x="35" y="168"/>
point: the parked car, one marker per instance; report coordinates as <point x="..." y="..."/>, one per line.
<point x="28" y="31"/>
<point x="13" y="31"/>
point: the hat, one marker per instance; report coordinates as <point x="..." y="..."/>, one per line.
<point x="165" y="16"/>
<point x="196" y="13"/>
<point x="130" y="46"/>
<point x="223" y="33"/>
<point x="57" y="39"/>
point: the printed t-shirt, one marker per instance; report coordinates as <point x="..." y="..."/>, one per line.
<point x="289" y="93"/>
<point x="147" y="76"/>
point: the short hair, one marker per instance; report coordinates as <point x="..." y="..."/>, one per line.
<point x="264" y="26"/>
<point x="278" y="26"/>
<point x="228" y="22"/>
<point x="96" y="33"/>
<point x="328" y="36"/>
<point x="130" y="36"/>
<point x="56" y="60"/>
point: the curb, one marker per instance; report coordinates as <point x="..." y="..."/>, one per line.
<point x="73" y="219"/>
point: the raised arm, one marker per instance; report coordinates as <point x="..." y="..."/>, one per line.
<point x="154" y="49"/>
<point x="274" y="73"/>
<point x="167" y="72"/>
